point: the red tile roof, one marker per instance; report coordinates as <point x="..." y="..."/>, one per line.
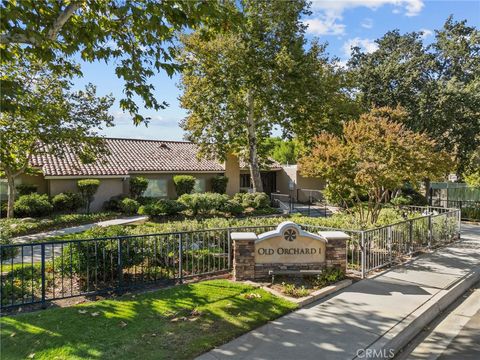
<point x="130" y="156"/>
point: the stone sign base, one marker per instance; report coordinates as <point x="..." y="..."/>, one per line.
<point x="254" y="256"/>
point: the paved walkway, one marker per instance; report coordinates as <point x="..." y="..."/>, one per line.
<point x="341" y="326"/>
<point x="57" y="250"/>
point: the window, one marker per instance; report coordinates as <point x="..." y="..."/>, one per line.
<point x="200" y="186"/>
<point x="245" y="181"/>
<point x="156" y="188"/>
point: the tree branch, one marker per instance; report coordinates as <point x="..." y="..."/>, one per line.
<point x="62" y="19"/>
<point x="17" y="39"/>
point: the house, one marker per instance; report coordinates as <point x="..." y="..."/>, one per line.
<point x="158" y="161"/>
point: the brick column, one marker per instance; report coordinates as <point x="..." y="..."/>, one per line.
<point x="243" y="256"/>
<point x="336" y="249"/>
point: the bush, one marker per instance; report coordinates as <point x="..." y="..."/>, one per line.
<point x="138" y="185"/>
<point x="253" y="200"/>
<point x="401" y="200"/>
<point x="33" y="205"/>
<point x="409" y="196"/>
<point x="219" y="184"/>
<point x="67" y="201"/>
<point x="7" y="253"/>
<point x="26" y="189"/>
<point x="129" y="206"/>
<point x="203" y="203"/>
<point x="233" y="207"/>
<point x="161" y="207"/>
<point x="184" y="184"/>
<point x="114" y="204"/>
<point x="88" y="188"/>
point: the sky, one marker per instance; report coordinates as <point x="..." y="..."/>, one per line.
<point x="340" y="23"/>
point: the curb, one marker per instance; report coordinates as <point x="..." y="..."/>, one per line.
<point x="402" y="333"/>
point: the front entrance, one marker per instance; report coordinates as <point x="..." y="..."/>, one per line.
<point x="269" y="181"/>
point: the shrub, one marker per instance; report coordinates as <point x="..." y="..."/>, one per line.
<point x="184" y="184"/>
<point x="138" y="185"/>
<point x="67" y="201"/>
<point x="219" y="184"/>
<point x="114" y="204"/>
<point x="253" y="200"/>
<point x="33" y="205"/>
<point x="233" y="207"/>
<point x="26" y="189"/>
<point x="161" y="207"/>
<point x="203" y="203"/>
<point x="401" y="200"/>
<point x="7" y="253"/>
<point x="88" y="188"/>
<point x="129" y="206"/>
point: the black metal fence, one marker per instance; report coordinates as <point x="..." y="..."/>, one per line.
<point x="39" y="272"/>
<point x="305" y="202"/>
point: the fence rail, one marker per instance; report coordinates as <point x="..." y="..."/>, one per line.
<point x="39" y="272"/>
<point x="470" y="209"/>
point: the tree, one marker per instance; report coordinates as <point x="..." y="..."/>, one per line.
<point x="87" y="189"/>
<point x="45" y="116"/>
<point x="137" y="36"/>
<point x="283" y="151"/>
<point x="375" y="155"/>
<point x="437" y="85"/>
<point x="241" y="83"/>
<point x="138" y="185"/>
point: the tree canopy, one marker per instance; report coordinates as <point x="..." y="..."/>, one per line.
<point x="437" y="85"/>
<point x="45" y="115"/>
<point x="138" y="37"/>
<point x="241" y="83"/>
<point x="373" y="156"/>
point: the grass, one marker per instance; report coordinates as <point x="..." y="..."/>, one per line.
<point x="180" y="322"/>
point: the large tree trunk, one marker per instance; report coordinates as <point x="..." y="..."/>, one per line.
<point x="252" y="146"/>
<point x="11" y="194"/>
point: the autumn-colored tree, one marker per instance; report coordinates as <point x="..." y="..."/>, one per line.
<point x="374" y="155"/>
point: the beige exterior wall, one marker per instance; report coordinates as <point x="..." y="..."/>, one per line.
<point x="37" y="180"/>
<point x="291" y="173"/>
<point x="108" y="187"/>
<point x="171" y="186"/>
<point x="232" y="171"/>
<point x="284" y="177"/>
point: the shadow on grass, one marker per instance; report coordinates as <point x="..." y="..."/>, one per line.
<point x="180" y="322"/>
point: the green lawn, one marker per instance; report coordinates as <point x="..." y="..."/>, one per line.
<point x="180" y="322"/>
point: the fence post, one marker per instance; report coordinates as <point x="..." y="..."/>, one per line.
<point x="180" y="255"/>
<point x="229" y="247"/>
<point x="42" y="255"/>
<point x="362" y="247"/>
<point x="410" y="236"/>
<point x="430" y="232"/>
<point x="389" y="244"/>
<point x="119" y="263"/>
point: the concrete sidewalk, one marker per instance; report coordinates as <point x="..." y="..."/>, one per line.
<point x="78" y="229"/>
<point x="373" y="314"/>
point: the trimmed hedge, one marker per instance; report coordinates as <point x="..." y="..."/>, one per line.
<point x="219" y="184"/>
<point x="162" y="207"/>
<point x="138" y="185"/>
<point x="253" y="200"/>
<point x="26" y="189"/>
<point x="184" y="184"/>
<point x="88" y="188"/>
<point x="33" y="205"/>
<point x="67" y="201"/>
<point x="129" y="206"/>
<point x="204" y="203"/>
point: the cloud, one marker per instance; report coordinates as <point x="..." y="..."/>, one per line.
<point x="327" y="14"/>
<point x="426" y="33"/>
<point x="367" y="23"/>
<point x="325" y="24"/>
<point x="367" y="45"/>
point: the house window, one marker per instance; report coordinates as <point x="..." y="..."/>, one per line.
<point x="200" y="186"/>
<point x="245" y="181"/>
<point x="156" y="188"/>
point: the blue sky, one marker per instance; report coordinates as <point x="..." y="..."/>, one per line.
<point x="341" y="23"/>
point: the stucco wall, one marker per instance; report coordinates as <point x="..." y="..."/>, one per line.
<point x="284" y="176"/>
<point x="171" y="186"/>
<point x="37" y="180"/>
<point x="108" y="187"/>
<point x="232" y="171"/>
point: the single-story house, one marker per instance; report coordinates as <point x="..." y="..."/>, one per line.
<point x="158" y="161"/>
